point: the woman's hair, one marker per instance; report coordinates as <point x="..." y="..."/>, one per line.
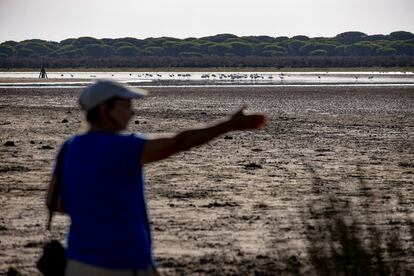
<point x="93" y="115"/>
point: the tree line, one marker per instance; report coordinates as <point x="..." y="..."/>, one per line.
<point x="348" y="49"/>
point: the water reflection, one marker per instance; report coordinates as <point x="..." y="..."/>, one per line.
<point x="81" y="79"/>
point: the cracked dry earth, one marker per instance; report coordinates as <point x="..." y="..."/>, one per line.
<point x="243" y="203"/>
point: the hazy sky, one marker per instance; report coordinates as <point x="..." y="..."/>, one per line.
<point x="59" y="19"/>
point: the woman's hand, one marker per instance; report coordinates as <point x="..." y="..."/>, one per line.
<point x="242" y="121"/>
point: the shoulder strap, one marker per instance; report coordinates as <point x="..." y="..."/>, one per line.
<point x="56" y="189"/>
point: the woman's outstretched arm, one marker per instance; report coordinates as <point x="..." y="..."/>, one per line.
<point x="159" y="148"/>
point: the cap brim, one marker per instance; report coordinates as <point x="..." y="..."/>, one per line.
<point x="133" y="92"/>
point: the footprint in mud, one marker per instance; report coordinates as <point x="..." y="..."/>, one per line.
<point x="406" y="164"/>
<point x="13" y="168"/>
<point x="253" y="166"/>
<point x="33" y="244"/>
<point x="260" y="206"/>
<point x="9" y="144"/>
<point x="323" y="150"/>
<point x="46" y="147"/>
<point x="216" y="204"/>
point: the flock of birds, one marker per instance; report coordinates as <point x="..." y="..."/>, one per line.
<point x="217" y="76"/>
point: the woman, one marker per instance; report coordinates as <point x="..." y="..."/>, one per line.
<point x="102" y="184"/>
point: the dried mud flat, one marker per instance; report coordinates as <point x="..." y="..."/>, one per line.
<point x="246" y="203"/>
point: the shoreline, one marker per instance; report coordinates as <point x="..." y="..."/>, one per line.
<point x="27" y="83"/>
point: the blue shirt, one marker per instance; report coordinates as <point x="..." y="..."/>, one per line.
<point x="103" y="193"/>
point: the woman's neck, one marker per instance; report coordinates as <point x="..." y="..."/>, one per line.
<point x="96" y="127"/>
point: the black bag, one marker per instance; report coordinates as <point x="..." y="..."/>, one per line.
<point x="53" y="260"/>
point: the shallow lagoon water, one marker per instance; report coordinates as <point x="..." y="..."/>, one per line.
<point x="81" y="79"/>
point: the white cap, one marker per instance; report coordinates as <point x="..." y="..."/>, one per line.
<point x="103" y="90"/>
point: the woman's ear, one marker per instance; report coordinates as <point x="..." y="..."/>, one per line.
<point x="106" y="117"/>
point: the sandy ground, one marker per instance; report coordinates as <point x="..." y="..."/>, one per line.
<point x="241" y="204"/>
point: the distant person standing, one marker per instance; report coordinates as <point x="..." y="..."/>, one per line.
<point x="102" y="181"/>
<point x="42" y="74"/>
